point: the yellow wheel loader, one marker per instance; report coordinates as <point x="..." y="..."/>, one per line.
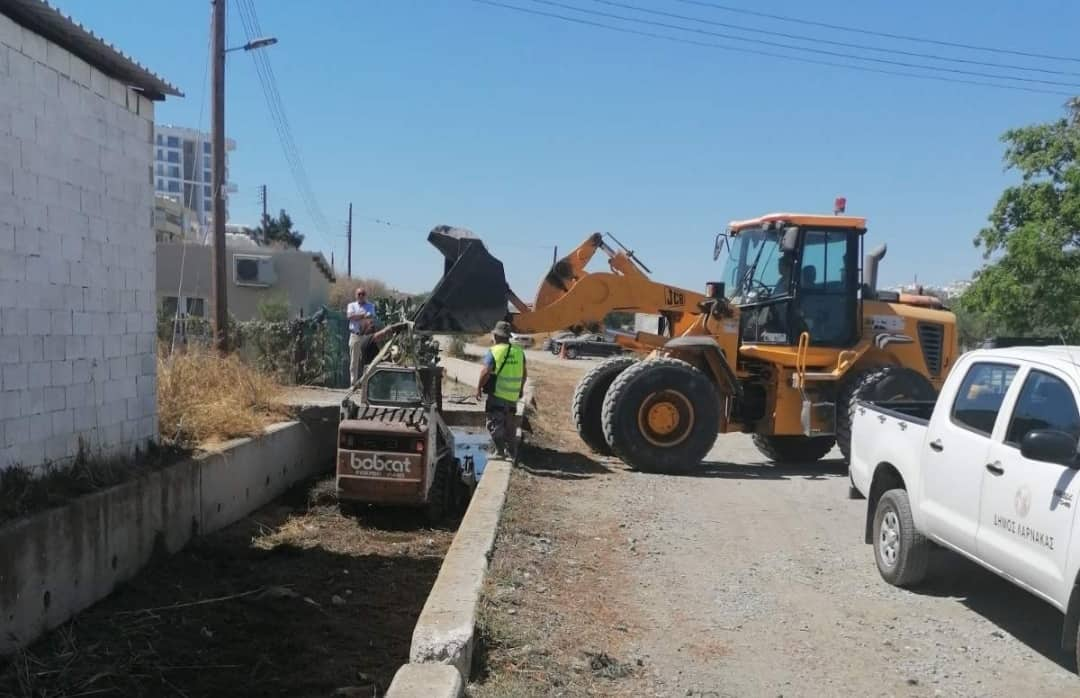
<point x="781" y="348"/>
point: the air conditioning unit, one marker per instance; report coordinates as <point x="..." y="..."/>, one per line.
<point x="253" y="270"/>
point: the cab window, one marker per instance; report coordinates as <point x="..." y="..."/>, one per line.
<point x="400" y="387"/>
<point x="1045" y="402"/>
<point x="981" y="394"/>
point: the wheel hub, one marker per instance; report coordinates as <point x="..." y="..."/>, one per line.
<point x="666" y="418"/>
<point x="663" y="418"/>
<point x="889" y="539"/>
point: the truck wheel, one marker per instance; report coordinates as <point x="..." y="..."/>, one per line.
<point x="661" y="415"/>
<point x="571" y="353"/>
<point x="439" y="495"/>
<point x="588" y="404"/>
<point x="793" y="449"/>
<point x="879" y="384"/>
<point x="901" y="552"/>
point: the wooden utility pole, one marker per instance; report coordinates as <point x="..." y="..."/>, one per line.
<point x="217" y="250"/>
<point x="348" y="238"/>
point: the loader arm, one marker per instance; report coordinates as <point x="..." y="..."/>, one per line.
<point x="473" y="295"/>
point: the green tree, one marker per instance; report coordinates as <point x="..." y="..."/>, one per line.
<point x="1031" y="283"/>
<point x="280" y="231"/>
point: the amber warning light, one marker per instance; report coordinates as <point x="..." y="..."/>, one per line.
<point x="839" y="206"/>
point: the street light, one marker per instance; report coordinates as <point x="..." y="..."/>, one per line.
<point x="217" y="250"/>
<point x="261" y="42"/>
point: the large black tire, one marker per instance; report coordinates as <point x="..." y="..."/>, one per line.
<point x="588" y="405"/>
<point x="438" y="504"/>
<point x="901" y="552"/>
<point x="793" y="449"/>
<point x="655" y="390"/>
<point x="879" y="384"/>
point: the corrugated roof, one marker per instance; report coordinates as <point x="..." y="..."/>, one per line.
<point x="42" y="18"/>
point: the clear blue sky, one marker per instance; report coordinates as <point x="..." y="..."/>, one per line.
<point x="534" y="132"/>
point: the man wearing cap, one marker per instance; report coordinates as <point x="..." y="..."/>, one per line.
<point x="362" y="327"/>
<point x="503" y="379"/>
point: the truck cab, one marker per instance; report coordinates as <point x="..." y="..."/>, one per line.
<point x="989" y="470"/>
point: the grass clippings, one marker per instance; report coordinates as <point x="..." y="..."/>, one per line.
<point x="206" y="398"/>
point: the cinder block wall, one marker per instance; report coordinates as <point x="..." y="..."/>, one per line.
<point x="77" y="350"/>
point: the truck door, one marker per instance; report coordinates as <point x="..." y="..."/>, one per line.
<point x="1026" y="515"/>
<point x="955" y="450"/>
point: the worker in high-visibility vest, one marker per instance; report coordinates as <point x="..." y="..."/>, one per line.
<point x="503" y="379"/>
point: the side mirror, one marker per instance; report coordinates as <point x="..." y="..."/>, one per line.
<point x="719" y="245"/>
<point x="790" y="240"/>
<point x="1050" y="446"/>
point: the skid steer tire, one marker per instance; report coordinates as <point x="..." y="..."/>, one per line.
<point x="878" y="384"/>
<point x="791" y="450"/>
<point x="661" y="416"/>
<point x="588" y="405"/>
<point x="438" y="502"/>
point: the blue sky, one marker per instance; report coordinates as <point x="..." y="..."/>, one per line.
<point x="535" y="132"/>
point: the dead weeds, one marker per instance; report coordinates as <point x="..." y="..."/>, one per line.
<point x="204" y="398"/>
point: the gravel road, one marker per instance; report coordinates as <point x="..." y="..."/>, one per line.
<point x="747" y="579"/>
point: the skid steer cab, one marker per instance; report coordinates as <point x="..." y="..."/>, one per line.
<point x="793" y="334"/>
<point x="395" y="449"/>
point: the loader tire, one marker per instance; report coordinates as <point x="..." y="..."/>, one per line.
<point x="879" y="384"/>
<point x="790" y="450"/>
<point x="661" y="415"/>
<point x="588" y="405"/>
<point x="438" y="502"/>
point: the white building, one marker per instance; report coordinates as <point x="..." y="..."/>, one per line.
<point x="183" y="166"/>
<point x="77" y="273"/>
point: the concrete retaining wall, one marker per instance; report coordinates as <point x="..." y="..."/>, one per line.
<point x="61" y="561"/>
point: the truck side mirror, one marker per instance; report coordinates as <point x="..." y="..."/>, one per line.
<point x="790" y="240"/>
<point x="1050" y="446"/>
<point x="719" y="245"/>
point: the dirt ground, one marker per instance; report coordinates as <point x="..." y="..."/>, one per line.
<point x="743" y="579"/>
<point x="296" y="600"/>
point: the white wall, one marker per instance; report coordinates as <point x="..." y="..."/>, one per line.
<point x="76" y="256"/>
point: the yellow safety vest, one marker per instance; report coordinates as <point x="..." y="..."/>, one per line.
<point x="510" y="366"/>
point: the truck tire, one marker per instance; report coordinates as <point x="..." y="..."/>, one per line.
<point x="587" y="408"/>
<point x="661" y="415"/>
<point x="439" y="495"/>
<point x="793" y="449"/>
<point x="879" y="384"/>
<point x="571" y="353"/>
<point x="901" y="552"/>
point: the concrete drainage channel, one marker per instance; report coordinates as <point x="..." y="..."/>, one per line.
<point x="445" y="635"/>
<point x="67" y="559"/>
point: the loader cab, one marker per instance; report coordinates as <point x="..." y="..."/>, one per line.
<point x="791" y="274"/>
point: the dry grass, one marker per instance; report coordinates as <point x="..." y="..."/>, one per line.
<point x="204" y="398"/>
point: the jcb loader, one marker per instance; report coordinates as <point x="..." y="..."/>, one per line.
<point x="782" y="348"/>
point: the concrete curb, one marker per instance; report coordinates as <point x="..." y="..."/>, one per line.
<point x="426" y="681"/>
<point x="446" y="630"/>
<point x="60" y="561"/>
<point x="445" y="633"/>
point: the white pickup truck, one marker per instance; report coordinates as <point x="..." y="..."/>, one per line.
<point x="989" y="470"/>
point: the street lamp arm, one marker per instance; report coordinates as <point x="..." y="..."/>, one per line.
<point x="261" y="42"/>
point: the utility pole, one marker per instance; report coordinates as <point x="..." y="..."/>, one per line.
<point x="217" y="250"/>
<point x="262" y="200"/>
<point x="348" y="237"/>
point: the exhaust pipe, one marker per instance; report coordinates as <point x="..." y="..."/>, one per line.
<point x="472" y="295"/>
<point x="870" y="270"/>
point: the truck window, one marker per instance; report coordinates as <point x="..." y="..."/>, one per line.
<point x="1045" y="402"/>
<point x="980" y="397"/>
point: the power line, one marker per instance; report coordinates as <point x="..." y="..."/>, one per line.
<point x="806" y="49"/>
<point x="871" y="32"/>
<point x="276" y="111"/>
<point x="831" y="42"/>
<point x="760" y="52"/>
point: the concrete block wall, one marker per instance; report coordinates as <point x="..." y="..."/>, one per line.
<point x="77" y="306"/>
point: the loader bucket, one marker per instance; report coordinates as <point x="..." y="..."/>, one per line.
<point x="472" y="294"/>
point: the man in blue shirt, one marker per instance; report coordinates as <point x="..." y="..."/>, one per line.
<point x="362" y="326"/>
